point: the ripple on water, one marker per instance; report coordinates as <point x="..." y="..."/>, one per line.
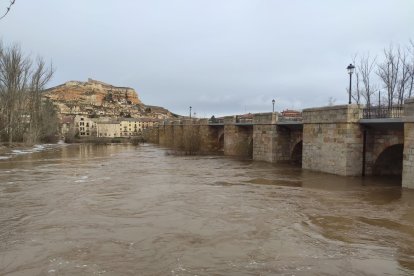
<point x="276" y="182"/>
<point x="120" y="210"/>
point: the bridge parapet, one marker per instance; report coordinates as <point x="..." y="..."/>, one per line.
<point x="408" y="155"/>
<point x="332" y="114"/>
<point x="409" y="110"/>
<point x="332" y="139"/>
<point x="229" y="120"/>
<point x="265" y="118"/>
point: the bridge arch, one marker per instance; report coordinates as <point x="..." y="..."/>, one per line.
<point x="220" y="141"/>
<point x="250" y="147"/>
<point x="296" y="154"/>
<point x="389" y="161"/>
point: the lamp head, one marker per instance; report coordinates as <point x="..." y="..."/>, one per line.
<point x="350" y="68"/>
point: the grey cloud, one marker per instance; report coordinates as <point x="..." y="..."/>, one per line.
<point x="221" y="57"/>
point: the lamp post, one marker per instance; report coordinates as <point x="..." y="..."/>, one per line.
<point x="190" y="112"/>
<point x="273" y="103"/>
<point x="350" y="69"/>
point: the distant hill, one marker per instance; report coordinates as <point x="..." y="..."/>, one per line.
<point x="97" y="98"/>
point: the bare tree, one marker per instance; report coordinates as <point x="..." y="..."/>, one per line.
<point x="39" y="78"/>
<point x="21" y="105"/>
<point x="365" y="67"/>
<point x="388" y="72"/>
<point x="410" y="68"/>
<point x="356" y="93"/>
<point x="403" y="78"/>
<point x="7" y="9"/>
<point x="14" y="74"/>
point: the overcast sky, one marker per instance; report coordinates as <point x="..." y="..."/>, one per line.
<point x="221" y="57"/>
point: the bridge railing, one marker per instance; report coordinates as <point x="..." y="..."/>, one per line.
<point x="375" y="112"/>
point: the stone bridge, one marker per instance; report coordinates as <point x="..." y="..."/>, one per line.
<point x="334" y="139"/>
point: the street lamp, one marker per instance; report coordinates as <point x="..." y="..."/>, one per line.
<point x="190" y="112"/>
<point x="273" y="103"/>
<point x="350" y="69"/>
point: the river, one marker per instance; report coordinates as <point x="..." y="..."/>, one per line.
<point x="137" y="210"/>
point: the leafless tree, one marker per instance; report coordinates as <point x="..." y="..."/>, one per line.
<point x="14" y="75"/>
<point x="39" y="78"/>
<point x="356" y="93"/>
<point x="7" y="9"/>
<point x="410" y="68"/>
<point x="22" y="108"/>
<point x="388" y="71"/>
<point x="365" y="67"/>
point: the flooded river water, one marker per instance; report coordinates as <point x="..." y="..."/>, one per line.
<point x="126" y="210"/>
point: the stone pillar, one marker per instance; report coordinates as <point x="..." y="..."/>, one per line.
<point x="264" y="137"/>
<point x="161" y="134"/>
<point x="209" y="136"/>
<point x="332" y="140"/>
<point x="151" y="135"/>
<point x="178" y="133"/>
<point x="237" y="139"/>
<point x="168" y="140"/>
<point x="408" y="162"/>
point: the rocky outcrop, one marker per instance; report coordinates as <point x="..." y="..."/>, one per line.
<point x="92" y="92"/>
<point x="98" y="99"/>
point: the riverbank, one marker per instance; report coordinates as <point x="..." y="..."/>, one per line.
<point x="106" y="140"/>
<point x="6" y="148"/>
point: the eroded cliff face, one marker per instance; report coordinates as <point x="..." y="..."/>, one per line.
<point x="92" y="92"/>
<point x="98" y="99"/>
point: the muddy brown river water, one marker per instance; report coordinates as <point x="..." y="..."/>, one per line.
<point x="126" y="210"/>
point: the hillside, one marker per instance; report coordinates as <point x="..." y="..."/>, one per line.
<point x="96" y="98"/>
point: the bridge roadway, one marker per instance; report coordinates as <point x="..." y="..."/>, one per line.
<point x="333" y="139"/>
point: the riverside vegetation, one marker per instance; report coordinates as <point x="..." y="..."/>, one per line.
<point x="25" y="116"/>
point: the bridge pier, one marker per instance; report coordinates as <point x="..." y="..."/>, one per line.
<point x="265" y="137"/>
<point x="167" y="134"/>
<point x="238" y="139"/>
<point x="408" y="155"/>
<point x="152" y="135"/>
<point x="333" y="140"/>
<point x="210" y="137"/>
<point x="275" y="141"/>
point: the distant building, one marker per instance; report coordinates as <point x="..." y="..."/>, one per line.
<point x="123" y="127"/>
<point x="134" y="126"/>
<point x="86" y="126"/>
<point x="108" y="129"/>
<point x="66" y="124"/>
<point x="291" y="113"/>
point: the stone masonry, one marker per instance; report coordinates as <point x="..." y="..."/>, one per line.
<point x="408" y="162"/>
<point x="237" y="139"/>
<point x="264" y="137"/>
<point x="332" y="140"/>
